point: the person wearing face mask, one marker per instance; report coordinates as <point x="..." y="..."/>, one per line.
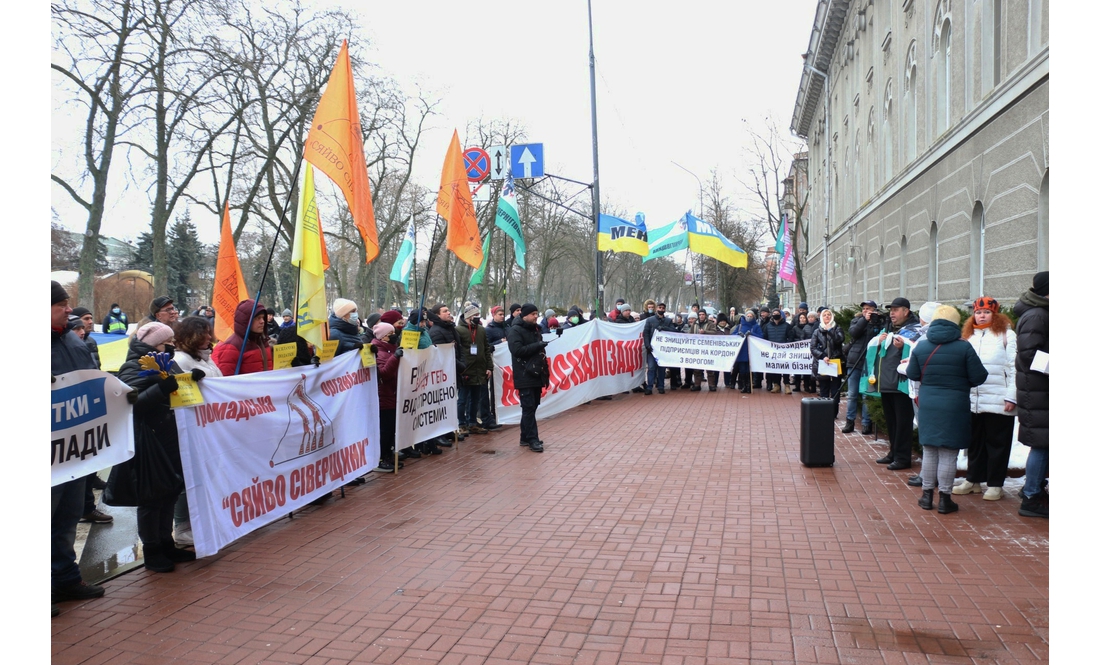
<point x="779" y="332"/>
<point x="827" y="344"/>
<point x="704" y="326"/>
<point x="343" y="325"/>
<point x="155" y="427"/>
<point x="388" y="356"/>
<point x="478" y="357"/>
<point x="573" y="318"/>
<point x="655" y="376"/>
<point x="257" y="351"/>
<point x="116" y="321"/>
<point x="194" y="338"/>
<point x="746" y="327"/>
<point x="649" y="308"/>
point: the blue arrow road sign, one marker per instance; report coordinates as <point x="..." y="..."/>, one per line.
<point x="527" y="160"/>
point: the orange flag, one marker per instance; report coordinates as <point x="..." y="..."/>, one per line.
<point x="229" y="286"/>
<point x="335" y="146"/>
<point x="456" y="205"/>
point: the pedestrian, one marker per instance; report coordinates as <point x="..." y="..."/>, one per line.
<point x="803" y="331"/>
<point x="948" y="368"/>
<point x="992" y="404"/>
<point x="442" y="332"/>
<point x="288" y="319"/>
<point x="658" y="322"/>
<point x="495" y="331"/>
<point x="67" y="354"/>
<point x="778" y="331"/>
<point x="649" y="308"/>
<point x="479" y="369"/>
<point x="256" y="352"/>
<point x="864" y="327"/>
<point x="894" y="346"/>
<point x="513" y="314"/>
<point x="544" y="325"/>
<point x="161" y="310"/>
<point x="116" y="322"/>
<point x="155" y="428"/>
<point x="388" y="357"/>
<point x="746" y="327"/>
<point x="625" y="313"/>
<point x="343" y="326"/>
<point x="194" y="337"/>
<point x="1033" y="392"/>
<point x="827" y="344"/>
<point x="530" y="372"/>
<point x="88" y="320"/>
<point x="704" y="326"/>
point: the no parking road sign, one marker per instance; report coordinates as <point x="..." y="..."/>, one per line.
<point x="477" y="164"/>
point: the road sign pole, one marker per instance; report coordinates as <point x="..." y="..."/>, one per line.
<point x="595" y="167"/>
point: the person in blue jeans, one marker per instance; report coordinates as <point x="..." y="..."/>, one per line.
<point x="862" y="330"/>
<point x="1033" y="393"/>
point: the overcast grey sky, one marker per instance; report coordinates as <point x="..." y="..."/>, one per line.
<point x="674" y="82"/>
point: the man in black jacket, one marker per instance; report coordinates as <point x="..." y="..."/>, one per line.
<point x="656" y="322"/>
<point x="67" y="354"/>
<point x="862" y="330"/>
<point x="443" y="332"/>
<point x="1033" y="392"/>
<point x="530" y="372"/>
<point x="780" y="332"/>
<point x="897" y="405"/>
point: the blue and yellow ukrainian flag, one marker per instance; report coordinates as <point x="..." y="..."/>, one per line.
<point x="619" y="235"/>
<point x="706" y="240"/>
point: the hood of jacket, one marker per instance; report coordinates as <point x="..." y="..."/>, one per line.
<point x="1029" y="300"/>
<point x="242" y="316"/>
<point x="942" y="331"/>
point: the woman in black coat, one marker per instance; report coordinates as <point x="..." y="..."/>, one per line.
<point x="826" y="344"/>
<point x="155" y="427"/>
<point x="947" y="368"/>
<point x="1033" y="392"/>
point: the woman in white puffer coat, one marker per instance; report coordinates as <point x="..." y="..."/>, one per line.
<point x="992" y="404"/>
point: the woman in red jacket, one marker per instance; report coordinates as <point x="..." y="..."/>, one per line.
<point x="388" y="356"/>
<point x="257" y="352"/>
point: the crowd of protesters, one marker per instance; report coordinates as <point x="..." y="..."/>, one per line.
<point x="976" y="377"/>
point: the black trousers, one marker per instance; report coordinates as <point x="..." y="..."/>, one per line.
<point x="829" y="386"/>
<point x="990" y="447"/>
<point x="387" y="433"/>
<point x="898" y="409"/>
<point x="757" y="379"/>
<point x="529" y="399"/>
<point x="154" y="523"/>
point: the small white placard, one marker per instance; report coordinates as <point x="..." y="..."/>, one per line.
<point x="1041" y="362"/>
<point x="826" y="368"/>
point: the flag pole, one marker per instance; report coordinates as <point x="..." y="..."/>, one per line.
<point x="270" y="257"/>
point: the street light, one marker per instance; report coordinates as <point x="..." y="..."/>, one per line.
<point x="692" y="174"/>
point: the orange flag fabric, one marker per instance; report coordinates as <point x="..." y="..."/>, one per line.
<point x="229" y="286"/>
<point x="456" y="206"/>
<point x="335" y="146"/>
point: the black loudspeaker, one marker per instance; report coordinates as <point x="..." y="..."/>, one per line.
<point x="817" y="431"/>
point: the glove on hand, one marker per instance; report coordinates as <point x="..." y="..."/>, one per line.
<point x="132" y="397"/>
<point x="358" y="344"/>
<point x="169" y="385"/>
<point x="374" y="348"/>
<point x="197" y="374"/>
<point x="399" y="353"/>
<point x="316" y="360"/>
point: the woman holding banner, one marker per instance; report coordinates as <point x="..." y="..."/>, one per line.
<point x="156" y="445"/>
<point x="826" y="347"/>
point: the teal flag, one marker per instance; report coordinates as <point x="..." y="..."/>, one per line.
<point x="479" y="274"/>
<point x="406" y="256"/>
<point x="781" y="237"/>
<point x="509" y="222"/>
<point x="668" y="239"/>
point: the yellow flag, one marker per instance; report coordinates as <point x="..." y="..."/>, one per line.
<point x="229" y="286"/>
<point x="335" y="145"/>
<point x="308" y="254"/>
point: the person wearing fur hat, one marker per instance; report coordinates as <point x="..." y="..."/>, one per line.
<point x="948" y="368"/>
<point x="1033" y="392"/>
<point x="257" y="351"/>
<point x="649" y="308"/>
<point x="992" y="404"/>
<point x="155" y="426"/>
<point x="478" y="358"/>
<point x="343" y="325"/>
<point x="530" y="372"/>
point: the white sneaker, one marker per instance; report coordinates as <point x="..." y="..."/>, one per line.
<point x="967" y="487"/>
<point x="993" y="494"/>
<point x="183" y="536"/>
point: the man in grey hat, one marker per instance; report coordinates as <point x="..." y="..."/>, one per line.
<point x="897" y="405"/>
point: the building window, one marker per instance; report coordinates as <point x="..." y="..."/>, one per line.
<point x="943" y="79"/>
<point x="1044" y="223"/>
<point x="933" y="262"/>
<point x="911" y="104"/>
<point x="887" y="134"/>
<point x="977" y="251"/>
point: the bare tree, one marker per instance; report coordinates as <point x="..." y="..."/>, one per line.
<point x="94" y="56"/>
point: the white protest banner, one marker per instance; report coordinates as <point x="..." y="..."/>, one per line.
<point x="586" y="362"/>
<point x="427" y="396"/>
<point x="267" y="443"/>
<point x="776" y="358"/>
<point x="91" y="424"/>
<point x="713" y="352"/>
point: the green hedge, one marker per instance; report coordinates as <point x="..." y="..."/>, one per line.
<point x="874" y="407"/>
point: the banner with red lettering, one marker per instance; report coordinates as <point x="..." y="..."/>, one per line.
<point x="261" y="445"/>
<point x="588" y="361"/>
<point x="427" y="397"/>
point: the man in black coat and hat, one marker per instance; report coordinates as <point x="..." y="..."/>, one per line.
<point x="1033" y="392"/>
<point x="530" y="372"/>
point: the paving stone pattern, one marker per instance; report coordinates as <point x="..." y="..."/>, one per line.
<point x="677" y="528"/>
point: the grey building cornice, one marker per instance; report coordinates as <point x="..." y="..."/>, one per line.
<point x="824" y="38"/>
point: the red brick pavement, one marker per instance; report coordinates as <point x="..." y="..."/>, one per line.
<point x="665" y="529"/>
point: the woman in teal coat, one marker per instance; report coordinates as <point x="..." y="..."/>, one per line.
<point x="947" y="367"/>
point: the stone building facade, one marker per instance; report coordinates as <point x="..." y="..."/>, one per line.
<point x="927" y="128"/>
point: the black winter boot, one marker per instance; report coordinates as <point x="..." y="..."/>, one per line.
<point x="1034" y="507"/>
<point x="157" y="561"/>
<point x="926" y="499"/>
<point x="849" y="427"/>
<point x="947" y="505"/>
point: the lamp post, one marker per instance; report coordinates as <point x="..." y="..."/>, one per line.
<point x="828" y="164"/>
<point x="692" y="174"/>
